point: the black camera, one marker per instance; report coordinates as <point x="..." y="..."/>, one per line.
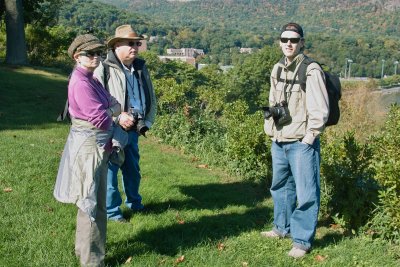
<point x="279" y="112"/>
<point x="139" y="124"/>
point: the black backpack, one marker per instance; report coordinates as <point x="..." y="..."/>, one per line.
<point x="333" y="87"/>
<point x="64" y="114"/>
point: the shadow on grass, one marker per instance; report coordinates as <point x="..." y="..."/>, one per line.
<point x="29" y="100"/>
<point x="212" y="196"/>
<point x="328" y="239"/>
<point x="172" y="239"/>
<point x="207" y="229"/>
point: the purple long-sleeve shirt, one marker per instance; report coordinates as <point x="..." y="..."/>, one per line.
<point x="88" y="100"/>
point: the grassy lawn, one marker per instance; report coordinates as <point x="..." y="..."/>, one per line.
<point x="196" y="216"/>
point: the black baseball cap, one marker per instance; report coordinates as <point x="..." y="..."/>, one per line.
<point x="294" y="27"/>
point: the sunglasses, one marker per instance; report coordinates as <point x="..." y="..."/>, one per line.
<point x="292" y="40"/>
<point x="132" y="43"/>
<point x="91" y="53"/>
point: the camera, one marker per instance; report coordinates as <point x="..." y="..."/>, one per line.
<point x="138" y="119"/>
<point x="279" y="112"/>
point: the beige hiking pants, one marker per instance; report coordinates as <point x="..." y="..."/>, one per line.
<point x="91" y="235"/>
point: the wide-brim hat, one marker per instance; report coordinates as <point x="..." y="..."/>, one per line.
<point x="84" y="42"/>
<point x="124" y="32"/>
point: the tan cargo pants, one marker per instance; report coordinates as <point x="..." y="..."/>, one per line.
<point x="91" y="235"/>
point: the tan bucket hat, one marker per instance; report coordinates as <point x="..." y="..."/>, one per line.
<point x="84" y="42"/>
<point x="124" y="32"/>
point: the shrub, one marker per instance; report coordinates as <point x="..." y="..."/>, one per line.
<point x="348" y="188"/>
<point x="47" y="46"/>
<point x="246" y="142"/>
<point x="386" y="162"/>
<point x="361" y="110"/>
<point x="199" y="135"/>
<point x="390" y="81"/>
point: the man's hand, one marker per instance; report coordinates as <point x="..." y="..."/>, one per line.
<point x="126" y="121"/>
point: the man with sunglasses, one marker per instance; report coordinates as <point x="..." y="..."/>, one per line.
<point x="128" y="80"/>
<point x="294" y="121"/>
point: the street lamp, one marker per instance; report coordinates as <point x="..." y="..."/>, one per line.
<point x="395" y="67"/>
<point x="345" y="68"/>
<point x="383" y="67"/>
<point x="350" y="62"/>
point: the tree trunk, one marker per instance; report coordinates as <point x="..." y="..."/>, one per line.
<point x="16" y="47"/>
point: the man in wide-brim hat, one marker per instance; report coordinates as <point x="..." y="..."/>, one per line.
<point x="124" y="32"/>
<point x="127" y="79"/>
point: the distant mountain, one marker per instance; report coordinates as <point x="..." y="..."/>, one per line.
<point x="378" y="17"/>
<point x="367" y="32"/>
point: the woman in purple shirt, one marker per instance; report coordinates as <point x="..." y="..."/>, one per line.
<point x="82" y="173"/>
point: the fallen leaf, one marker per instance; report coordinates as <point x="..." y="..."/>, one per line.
<point x="335" y="226"/>
<point x="179" y="219"/>
<point x="51" y="141"/>
<point x="129" y="260"/>
<point x="49" y="209"/>
<point x="245" y="264"/>
<point x="202" y="166"/>
<point x="320" y="258"/>
<point x="180" y="259"/>
<point x="370" y="232"/>
<point x="7" y="189"/>
<point x="221" y="246"/>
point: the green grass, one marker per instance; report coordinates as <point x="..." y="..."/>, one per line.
<point x="208" y="217"/>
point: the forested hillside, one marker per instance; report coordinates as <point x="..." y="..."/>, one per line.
<point x="354" y="16"/>
<point x="365" y="31"/>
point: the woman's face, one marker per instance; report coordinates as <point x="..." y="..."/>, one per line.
<point x="88" y="59"/>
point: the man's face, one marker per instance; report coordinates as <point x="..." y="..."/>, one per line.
<point x="127" y="50"/>
<point x="291" y="44"/>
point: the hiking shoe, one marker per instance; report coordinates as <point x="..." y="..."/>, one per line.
<point x="140" y="208"/>
<point x="297" y="253"/>
<point x="270" y="234"/>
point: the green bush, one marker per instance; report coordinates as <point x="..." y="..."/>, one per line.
<point x="199" y="135"/>
<point x="390" y="81"/>
<point x="2" y="41"/>
<point x="47" y="46"/>
<point x="246" y="143"/>
<point x="386" y="162"/>
<point x="348" y="188"/>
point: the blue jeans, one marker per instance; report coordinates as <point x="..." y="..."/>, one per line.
<point x="295" y="190"/>
<point x="130" y="177"/>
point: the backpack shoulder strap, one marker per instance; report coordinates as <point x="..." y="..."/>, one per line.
<point x="279" y="71"/>
<point x="64" y="114"/>
<point x="302" y="72"/>
<point x="106" y="75"/>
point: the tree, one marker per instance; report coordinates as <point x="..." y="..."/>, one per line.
<point x="16" y="53"/>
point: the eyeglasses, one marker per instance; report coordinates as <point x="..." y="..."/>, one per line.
<point x="91" y="53"/>
<point x="292" y="40"/>
<point x="135" y="43"/>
